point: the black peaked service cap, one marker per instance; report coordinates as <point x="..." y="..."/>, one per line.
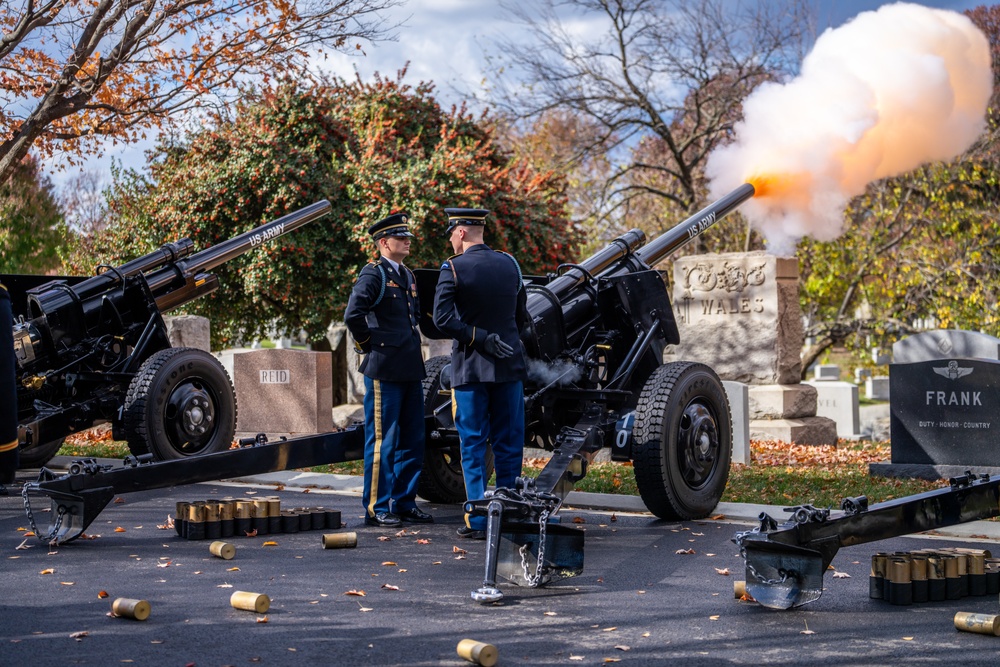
<point x="466" y="216"/>
<point x="397" y="224"/>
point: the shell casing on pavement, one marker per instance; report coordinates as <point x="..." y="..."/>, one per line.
<point x="223" y="550"/>
<point x="340" y="540"/>
<point x="247" y="601"/>
<point x="918" y="578"/>
<point x="876" y="580"/>
<point x="900" y="590"/>
<point x="984" y="624"/>
<point x="478" y="652"/>
<point x="128" y="608"/>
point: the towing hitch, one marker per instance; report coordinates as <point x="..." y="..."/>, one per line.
<point x="785" y="564"/>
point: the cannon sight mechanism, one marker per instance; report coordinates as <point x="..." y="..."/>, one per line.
<point x="95" y="350"/>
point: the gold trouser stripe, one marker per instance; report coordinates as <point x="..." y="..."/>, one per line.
<point x="377" y="455"/>
<point x="9" y="446"/>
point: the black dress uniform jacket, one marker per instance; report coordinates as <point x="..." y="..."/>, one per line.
<point x="478" y="293"/>
<point x="386" y="330"/>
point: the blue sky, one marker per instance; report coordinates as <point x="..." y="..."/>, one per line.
<point x="448" y="42"/>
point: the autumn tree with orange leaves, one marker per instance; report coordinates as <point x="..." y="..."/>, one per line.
<point x="75" y="70"/>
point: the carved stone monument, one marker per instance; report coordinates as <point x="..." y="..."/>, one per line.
<point x="283" y="391"/>
<point x="189" y="331"/>
<point x="943" y="406"/>
<point x="739" y="313"/>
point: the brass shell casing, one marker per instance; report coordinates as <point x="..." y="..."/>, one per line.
<point x="223" y="550"/>
<point x="984" y="624"/>
<point x="196" y="512"/>
<point x="257" y="602"/>
<point x="243" y="509"/>
<point x="340" y="540"/>
<point x="127" y="608"/>
<point x="273" y="506"/>
<point x="212" y="511"/>
<point x="477" y="652"/>
<point x="260" y="507"/>
<point x="227" y="510"/>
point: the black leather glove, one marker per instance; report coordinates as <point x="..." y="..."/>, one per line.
<point x="363" y="348"/>
<point x="496" y="347"/>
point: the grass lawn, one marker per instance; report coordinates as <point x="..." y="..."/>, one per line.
<point x="780" y="474"/>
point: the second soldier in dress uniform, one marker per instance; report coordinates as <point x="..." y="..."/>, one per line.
<point x="382" y="315"/>
<point x="480" y="302"/>
<point x="8" y="394"/>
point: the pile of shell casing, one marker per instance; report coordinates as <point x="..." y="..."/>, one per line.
<point x="228" y="517"/>
<point x="931" y="575"/>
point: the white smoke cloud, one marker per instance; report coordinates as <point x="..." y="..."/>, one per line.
<point x="881" y="95"/>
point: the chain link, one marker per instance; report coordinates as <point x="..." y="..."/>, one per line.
<point x="759" y="577"/>
<point x="534" y="579"/>
<point x="50" y="538"/>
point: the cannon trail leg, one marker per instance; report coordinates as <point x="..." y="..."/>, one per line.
<point x="489" y="592"/>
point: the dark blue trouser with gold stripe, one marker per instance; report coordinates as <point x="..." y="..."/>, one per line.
<point x="394" y="445"/>
<point x="8" y="393"/>
<point x="489" y="413"/>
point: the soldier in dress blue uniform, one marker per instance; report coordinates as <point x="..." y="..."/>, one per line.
<point x="480" y="303"/>
<point x="382" y="315"/>
<point x="8" y="393"/>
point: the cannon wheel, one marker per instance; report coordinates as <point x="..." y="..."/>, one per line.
<point x="180" y="403"/>
<point x="38" y="455"/>
<point x="441" y="479"/>
<point x="683" y="441"/>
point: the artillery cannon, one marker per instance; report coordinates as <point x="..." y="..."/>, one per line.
<point x="595" y="338"/>
<point x="95" y="350"/>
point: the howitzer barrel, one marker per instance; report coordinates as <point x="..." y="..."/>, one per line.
<point x="208" y="259"/>
<point x="659" y="248"/>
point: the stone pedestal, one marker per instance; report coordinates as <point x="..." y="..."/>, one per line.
<point x="739" y="409"/>
<point x="189" y="331"/>
<point x="839" y="401"/>
<point x="788" y="413"/>
<point x="283" y="391"/>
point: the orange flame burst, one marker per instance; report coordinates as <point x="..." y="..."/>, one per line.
<point x="780" y="186"/>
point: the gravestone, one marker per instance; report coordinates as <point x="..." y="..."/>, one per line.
<point x="189" y="331"/>
<point x="878" y="388"/>
<point x="839" y="401"/>
<point x="283" y="391"/>
<point x="826" y="372"/>
<point x="739" y="409"/>
<point x="943" y="407"/>
<point x="739" y="313"/>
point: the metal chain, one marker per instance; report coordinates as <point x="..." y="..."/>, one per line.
<point x="533" y="579"/>
<point x="51" y="536"/>
<point x="760" y="578"/>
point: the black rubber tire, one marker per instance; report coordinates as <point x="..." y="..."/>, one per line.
<point x="177" y="393"/>
<point x="441" y="479"/>
<point x="683" y="441"/>
<point x="38" y="455"/>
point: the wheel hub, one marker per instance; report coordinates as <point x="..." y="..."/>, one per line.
<point x="190" y="416"/>
<point x="699" y="444"/>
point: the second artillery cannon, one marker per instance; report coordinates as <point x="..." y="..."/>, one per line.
<point x="595" y="337"/>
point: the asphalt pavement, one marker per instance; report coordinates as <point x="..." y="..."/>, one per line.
<point x="651" y="593"/>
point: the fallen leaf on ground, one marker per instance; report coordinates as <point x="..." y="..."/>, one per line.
<point x="384" y="538"/>
<point x="458" y="550"/>
<point x="908" y="639"/>
<point x="579" y="519"/>
<point x="390" y="587"/>
<point x="645" y="634"/>
<point x="24" y="545"/>
<point x="423" y="540"/>
<point x="611" y="629"/>
<point x="270" y="543"/>
<point x="841" y="575"/>
<point x="262" y="619"/>
<point x="119" y="529"/>
<point x="612" y="660"/>
<point x="232" y="569"/>
<point x="47" y="570"/>
<point x="102" y="594"/>
<point x="354" y="592"/>
<point x="717" y="517"/>
<point x="614" y="517"/>
<point x="166" y="564"/>
<point x="549" y="613"/>
<point x="713" y="618"/>
<point x="622" y="647"/>
<point x="224" y="586"/>
<point x="388" y="563"/>
<point x="66" y="583"/>
<point x="723" y="571"/>
<point x="685" y="551"/>
<point x="168" y="525"/>
<point x="119" y="500"/>
<point x="251" y="533"/>
<point x="79" y="635"/>
<point x="576" y="657"/>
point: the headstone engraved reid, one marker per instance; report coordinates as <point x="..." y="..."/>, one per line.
<point x="283" y="391"/>
<point x="944" y="409"/>
<point x="739" y="313"/>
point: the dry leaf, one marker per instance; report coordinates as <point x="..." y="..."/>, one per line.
<point x="389" y="563"/>
<point x="119" y="500"/>
<point x="717" y="517"/>
<point x="24" y="545"/>
<point x="458" y="550"/>
<point x="713" y="618"/>
<point x="549" y="613"/>
<point x="384" y="538"/>
<point x="908" y="639"/>
<point x="354" y="592"/>
<point x="684" y="551"/>
<point x="168" y="525"/>
<point x="262" y="619"/>
<point x="709" y="555"/>
<point x="102" y="594"/>
<point x="576" y="657"/>
<point x="224" y="586"/>
<point x="197" y="572"/>
<point x="155" y="641"/>
<point x="645" y="634"/>
<point x="79" y="635"/>
<point x="612" y="660"/>
<point x="423" y="540"/>
<point x="47" y="570"/>
<point x="251" y="533"/>
<point x="699" y="534"/>
<point x="365" y="609"/>
<point x="390" y="587"/>
<point x="459" y="557"/>
<point x="29" y="534"/>
<point x="66" y="583"/>
<point x="611" y="629"/>
<point x="723" y="571"/>
<point x="402" y="569"/>
<point x="437" y="562"/>
<point x="305" y="490"/>
<point x="622" y="647"/>
<point x="579" y="519"/>
<point x="119" y="529"/>
<point x="807" y="631"/>
<point x="166" y="564"/>
<point x="232" y="569"/>
<point x="270" y="543"/>
<point x="614" y="517"/>
<point x="841" y="575"/>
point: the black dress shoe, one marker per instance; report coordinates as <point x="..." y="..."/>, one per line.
<point x="415" y="515"/>
<point x="471" y="533"/>
<point x="384" y="520"/>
